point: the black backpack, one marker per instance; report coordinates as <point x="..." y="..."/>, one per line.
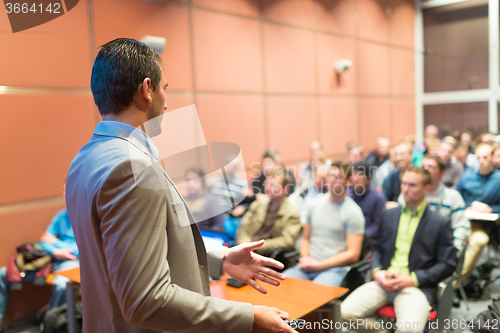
<point x="478" y="280"/>
<point x="56" y="319"/>
<point x="488" y="321"/>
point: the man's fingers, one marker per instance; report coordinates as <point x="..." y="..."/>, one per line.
<point x="273" y="273"/>
<point x="266" y="279"/>
<point x="283" y="314"/>
<point x="257" y="287"/>
<point x="271" y="262"/>
<point x="253" y="246"/>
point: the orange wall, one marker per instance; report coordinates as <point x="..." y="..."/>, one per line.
<point x="259" y="71"/>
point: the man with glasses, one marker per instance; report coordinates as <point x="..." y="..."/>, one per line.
<point x="333" y="235"/>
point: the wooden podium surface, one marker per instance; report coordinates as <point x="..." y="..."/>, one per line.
<point x="297" y="297"/>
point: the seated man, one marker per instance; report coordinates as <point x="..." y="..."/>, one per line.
<point x="333" y="235"/>
<point x="59" y="242"/>
<point x="392" y="183"/>
<point x="414" y="253"/>
<point x="481" y="193"/>
<point x="272" y="218"/>
<point x="445" y="201"/>
<point x="454" y="170"/>
<point x="372" y="203"/>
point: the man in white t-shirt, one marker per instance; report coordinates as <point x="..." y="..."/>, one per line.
<point x="333" y="235"/>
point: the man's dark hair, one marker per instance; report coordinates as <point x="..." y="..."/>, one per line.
<point x="440" y="162"/>
<point x="344" y="166"/>
<point x="426" y="176"/>
<point x="286" y="180"/>
<point x="119" y="69"/>
<point x="199" y="172"/>
<point x="364" y="167"/>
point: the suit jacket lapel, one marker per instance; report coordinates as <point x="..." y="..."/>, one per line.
<point x="394" y="233"/>
<point x="420" y="229"/>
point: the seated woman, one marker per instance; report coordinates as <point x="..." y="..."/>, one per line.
<point x="204" y="206"/>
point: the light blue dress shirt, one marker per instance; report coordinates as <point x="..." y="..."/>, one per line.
<point x="143" y="138"/>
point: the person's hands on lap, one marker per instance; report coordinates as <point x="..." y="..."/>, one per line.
<point x="308" y="264"/>
<point x="64" y="254"/>
<point x="382" y="277"/>
<point x="270" y="320"/>
<point x="399" y="282"/>
<point x="245" y="266"/>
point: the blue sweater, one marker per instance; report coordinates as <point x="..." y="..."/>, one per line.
<point x="372" y="204"/>
<point x="61" y="228"/>
<point x="483" y="188"/>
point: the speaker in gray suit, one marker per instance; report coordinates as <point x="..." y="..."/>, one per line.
<point x="144" y="266"/>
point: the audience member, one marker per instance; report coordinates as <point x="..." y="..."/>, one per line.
<point x="277" y="158"/>
<point x="496" y="155"/>
<point x="381" y="154"/>
<point x="383" y="171"/>
<point x="333" y="235"/>
<point x="232" y="192"/>
<point x="267" y="165"/>
<point x="480" y="191"/>
<point x="372" y="203"/>
<point x="304" y="196"/>
<point x="445" y="201"/>
<point x="347" y="148"/>
<point x="355" y="154"/>
<point x="308" y="172"/>
<point x="451" y="139"/>
<point x="205" y="207"/>
<point x="466" y="140"/>
<point x="392" y="183"/>
<point x="272" y="218"/>
<point x="414" y="253"/>
<point x="468" y="160"/>
<point x="59" y="242"/>
<point x="454" y="170"/>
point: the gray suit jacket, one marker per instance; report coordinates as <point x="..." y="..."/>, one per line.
<point x="144" y="267"/>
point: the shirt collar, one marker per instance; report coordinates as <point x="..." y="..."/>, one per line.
<point x="419" y="211"/>
<point x="143" y="138"/>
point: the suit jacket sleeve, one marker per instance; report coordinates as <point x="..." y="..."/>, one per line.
<point x="445" y="259"/>
<point x="133" y="225"/>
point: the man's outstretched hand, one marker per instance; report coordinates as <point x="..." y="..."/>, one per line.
<point x="246" y="266"/>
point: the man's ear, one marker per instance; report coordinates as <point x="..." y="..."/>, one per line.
<point x="146" y="89"/>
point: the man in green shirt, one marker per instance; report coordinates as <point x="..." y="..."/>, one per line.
<point x="413" y="254"/>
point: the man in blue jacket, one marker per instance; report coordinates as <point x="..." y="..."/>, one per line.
<point x="414" y="253"/>
<point x="481" y="192"/>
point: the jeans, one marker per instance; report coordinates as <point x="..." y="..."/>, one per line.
<point x="330" y="277"/>
<point x="58" y="288"/>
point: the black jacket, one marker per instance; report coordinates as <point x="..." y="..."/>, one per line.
<point x="432" y="254"/>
